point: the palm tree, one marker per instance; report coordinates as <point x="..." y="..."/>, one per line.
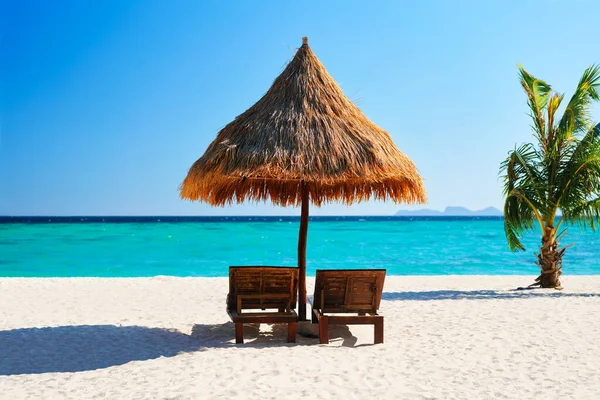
<point x="562" y="171"/>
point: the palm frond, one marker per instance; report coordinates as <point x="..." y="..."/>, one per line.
<point x="580" y="174"/>
<point x="561" y="234"/>
<point x="587" y="212"/>
<point x="576" y="117"/>
<point x="513" y="237"/>
<point x="553" y="105"/>
<point x="511" y="229"/>
<point x="524" y="171"/>
<point x="519" y="214"/>
<point x="538" y="93"/>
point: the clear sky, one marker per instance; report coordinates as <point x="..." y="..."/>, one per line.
<point x="104" y="105"/>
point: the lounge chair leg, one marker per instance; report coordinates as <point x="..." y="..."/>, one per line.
<point x="291" y="332"/>
<point x="314" y="318"/>
<point x="378" y="329"/>
<point x="324" y="330"/>
<point x="239" y="332"/>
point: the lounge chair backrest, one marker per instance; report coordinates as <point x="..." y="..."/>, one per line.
<point x="262" y="287"/>
<point x="349" y="290"/>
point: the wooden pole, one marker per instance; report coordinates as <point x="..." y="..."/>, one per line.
<point x="302" y="252"/>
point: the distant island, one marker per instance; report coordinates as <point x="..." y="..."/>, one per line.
<point x="451" y="212"/>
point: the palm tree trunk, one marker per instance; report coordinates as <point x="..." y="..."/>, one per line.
<point x="550" y="261"/>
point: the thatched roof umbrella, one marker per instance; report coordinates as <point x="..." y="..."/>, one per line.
<point x="303" y="141"/>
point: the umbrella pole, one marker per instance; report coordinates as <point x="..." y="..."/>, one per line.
<point x="302" y="252"/>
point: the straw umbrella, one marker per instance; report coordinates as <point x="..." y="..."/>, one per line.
<point x="303" y="141"/>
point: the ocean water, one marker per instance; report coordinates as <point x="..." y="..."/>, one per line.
<point x="205" y="246"/>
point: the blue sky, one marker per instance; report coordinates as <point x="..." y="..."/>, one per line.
<point x="104" y="105"/>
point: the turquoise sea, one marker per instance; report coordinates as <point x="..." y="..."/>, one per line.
<point x="206" y="246"/>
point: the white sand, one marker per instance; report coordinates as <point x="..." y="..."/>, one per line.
<point x="445" y="337"/>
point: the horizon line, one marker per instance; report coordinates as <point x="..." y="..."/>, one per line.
<point x="4" y="217"/>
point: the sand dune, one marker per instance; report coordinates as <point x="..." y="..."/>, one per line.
<point x="468" y="337"/>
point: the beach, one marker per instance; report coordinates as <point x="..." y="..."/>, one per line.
<point x="446" y="337"/>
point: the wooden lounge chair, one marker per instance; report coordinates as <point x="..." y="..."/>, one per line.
<point x="354" y="293"/>
<point x="270" y="289"/>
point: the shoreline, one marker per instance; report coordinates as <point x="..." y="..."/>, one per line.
<point x="445" y="336"/>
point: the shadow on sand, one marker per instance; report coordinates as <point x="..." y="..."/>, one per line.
<point x="479" y="295"/>
<point x="89" y="347"/>
<point x="86" y="347"/>
<point x="222" y="335"/>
